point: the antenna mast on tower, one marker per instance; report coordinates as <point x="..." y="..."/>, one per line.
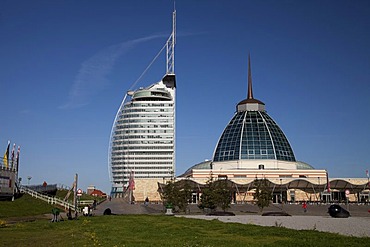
<point x="170" y="47"/>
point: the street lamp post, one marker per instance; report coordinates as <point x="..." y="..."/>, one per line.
<point x="319" y="190"/>
<point x="281" y="193"/>
<point x="29" y="178"/>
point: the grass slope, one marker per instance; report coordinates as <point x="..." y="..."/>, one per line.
<point x="24" y="206"/>
<point x="30" y="206"/>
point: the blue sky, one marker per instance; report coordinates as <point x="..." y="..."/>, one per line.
<point x="66" y="65"/>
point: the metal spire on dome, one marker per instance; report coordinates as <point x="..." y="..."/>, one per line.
<point x="250" y="103"/>
<point x="250" y="91"/>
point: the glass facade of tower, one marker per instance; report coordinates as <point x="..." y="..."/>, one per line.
<point x="253" y="135"/>
<point x="143" y="135"/>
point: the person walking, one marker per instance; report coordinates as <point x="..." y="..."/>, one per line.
<point x="69" y="214"/>
<point x="55" y="212"/>
<point x="304" y="206"/>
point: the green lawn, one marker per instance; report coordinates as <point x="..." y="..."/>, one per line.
<point x="146" y="230"/>
<point x="151" y="230"/>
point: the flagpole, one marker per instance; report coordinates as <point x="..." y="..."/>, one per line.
<point x="17" y="162"/>
<point x="368" y="186"/>
<point x="75" y="192"/>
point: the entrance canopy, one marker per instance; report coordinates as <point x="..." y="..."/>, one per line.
<point x="305" y="184"/>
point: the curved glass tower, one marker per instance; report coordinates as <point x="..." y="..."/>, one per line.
<point x="252" y="135"/>
<point x="142" y="144"/>
<point x="143" y="137"/>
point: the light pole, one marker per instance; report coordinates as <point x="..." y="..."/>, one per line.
<point x="319" y="190"/>
<point x="29" y="178"/>
<point x="281" y="193"/>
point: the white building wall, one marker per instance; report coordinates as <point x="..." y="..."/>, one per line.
<point x="143" y="142"/>
<point x="255" y="164"/>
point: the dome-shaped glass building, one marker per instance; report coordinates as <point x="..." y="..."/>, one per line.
<point x="252" y="147"/>
<point x="252" y="139"/>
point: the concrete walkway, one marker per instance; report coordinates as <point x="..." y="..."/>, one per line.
<point x="119" y="206"/>
<point x="352" y="226"/>
<point x="316" y="217"/>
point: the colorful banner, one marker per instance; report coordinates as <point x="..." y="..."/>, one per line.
<point x="12" y="157"/>
<point x="131" y="181"/>
<point x="17" y="158"/>
<point x="6" y="156"/>
<point x="327" y="181"/>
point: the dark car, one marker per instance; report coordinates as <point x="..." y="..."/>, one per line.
<point x="337" y="211"/>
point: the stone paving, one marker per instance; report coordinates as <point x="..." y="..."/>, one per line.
<point x="119" y="206"/>
<point x="352" y="226"/>
<point x="316" y="217"/>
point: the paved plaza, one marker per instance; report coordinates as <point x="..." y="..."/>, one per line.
<point x="316" y="217"/>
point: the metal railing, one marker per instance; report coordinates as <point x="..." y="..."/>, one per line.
<point x="46" y="198"/>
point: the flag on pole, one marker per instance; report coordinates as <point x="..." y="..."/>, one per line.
<point x="17" y="158"/>
<point x="367" y="173"/>
<point x="131" y="181"/>
<point x="327" y="181"/>
<point x="6" y="156"/>
<point x="12" y="157"/>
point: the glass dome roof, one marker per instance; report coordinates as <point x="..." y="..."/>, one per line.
<point x="252" y="134"/>
<point x="203" y="165"/>
<point x="304" y="166"/>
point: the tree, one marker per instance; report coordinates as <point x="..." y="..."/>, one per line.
<point x="208" y="197"/>
<point x="223" y="194"/>
<point x="216" y="194"/>
<point x="263" y="195"/>
<point x="177" y="194"/>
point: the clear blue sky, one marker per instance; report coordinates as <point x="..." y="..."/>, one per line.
<point x="66" y="65"/>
